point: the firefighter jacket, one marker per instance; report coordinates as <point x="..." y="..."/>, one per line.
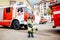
<point x="30" y="25"/>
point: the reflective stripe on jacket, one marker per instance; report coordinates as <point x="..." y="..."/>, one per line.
<point x="30" y="21"/>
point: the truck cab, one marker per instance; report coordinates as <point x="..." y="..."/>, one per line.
<point x="14" y="16"/>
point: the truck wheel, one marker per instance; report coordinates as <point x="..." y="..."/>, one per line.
<point x="54" y="26"/>
<point x="15" y="24"/>
<point x="25" y="26"/>
<point x="42" y="23"/>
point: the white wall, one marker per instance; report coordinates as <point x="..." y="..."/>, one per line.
<point x="1" y="13"/>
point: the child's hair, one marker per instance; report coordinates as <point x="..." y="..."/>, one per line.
<point x="30" y="17"/>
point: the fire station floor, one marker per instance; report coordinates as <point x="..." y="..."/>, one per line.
<point x="45" y="32"/>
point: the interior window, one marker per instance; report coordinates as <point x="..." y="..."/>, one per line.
<point x="27" y="10"/>
<point x="20" y="9"/>
<point x="7" y="9"/>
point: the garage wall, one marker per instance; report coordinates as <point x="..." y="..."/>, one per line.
<point x="1" y="13"/>
<point x="4" y="2"/>
<point x="19" y="1"/>
<point x="7" y="2"/>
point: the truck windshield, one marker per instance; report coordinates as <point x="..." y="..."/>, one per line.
<point x="20" y="9"/>
<point x="7" y="9"/>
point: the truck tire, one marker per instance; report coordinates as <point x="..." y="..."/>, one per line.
<point x="15" y="24"/>
<point x="42" y="23"/>
<point x="54" y="26"/>
<point x="25" y="26"/>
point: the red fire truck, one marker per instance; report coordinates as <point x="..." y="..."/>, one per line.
<point x="56" y="14"/>
<point x="14" y="16"/>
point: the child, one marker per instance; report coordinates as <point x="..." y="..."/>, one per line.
<point x="30" y="26"/>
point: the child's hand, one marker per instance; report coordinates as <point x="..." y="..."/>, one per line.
<point x="36" y="29"/>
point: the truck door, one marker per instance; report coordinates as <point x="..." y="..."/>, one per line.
<point x="7" y="13"/>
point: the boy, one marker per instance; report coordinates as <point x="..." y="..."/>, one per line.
<point x="30" y="26"/>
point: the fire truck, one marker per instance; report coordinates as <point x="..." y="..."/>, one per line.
<point x="14" y="16"/>
<point x="56" y="14"/>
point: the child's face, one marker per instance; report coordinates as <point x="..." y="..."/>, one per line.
<point x="30" y="17"/>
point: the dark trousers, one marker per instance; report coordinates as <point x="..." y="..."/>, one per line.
<point x="30" y="34"/>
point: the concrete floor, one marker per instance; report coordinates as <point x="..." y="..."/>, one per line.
<point x="45" y="32"/>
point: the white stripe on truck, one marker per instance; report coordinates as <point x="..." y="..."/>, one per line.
<point x="56" y="12"/>
<point x="5" y="20"/>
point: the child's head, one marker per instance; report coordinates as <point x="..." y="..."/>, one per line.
<point x="30" y="17"/>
